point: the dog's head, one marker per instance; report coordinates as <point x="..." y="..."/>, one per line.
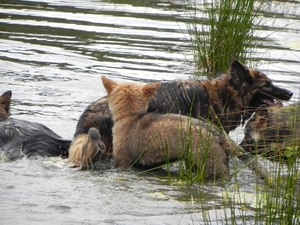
<point x="127" y="99"/>
<point x="255" y="87"/>
<point x="5" y="100"/>
<point x="274" y="132"/>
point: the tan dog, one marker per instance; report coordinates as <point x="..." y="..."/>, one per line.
<point x="147" y="140"/>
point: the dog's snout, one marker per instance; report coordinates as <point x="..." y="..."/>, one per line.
<point x="284" y="95"/>
<point x="289" y="93"/>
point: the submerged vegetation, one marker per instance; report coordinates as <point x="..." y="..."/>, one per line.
<point x="221" y="30"/>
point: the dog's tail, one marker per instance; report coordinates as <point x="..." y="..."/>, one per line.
<point x="86" y="148"/>
<point x="92" y="146"/>
<point x="45" y="145"/>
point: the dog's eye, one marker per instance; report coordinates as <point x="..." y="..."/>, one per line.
<point x="262" y="74"/>
<point x="268" y="84"/>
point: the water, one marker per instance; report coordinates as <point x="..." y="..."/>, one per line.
<point x="52" y="56"/>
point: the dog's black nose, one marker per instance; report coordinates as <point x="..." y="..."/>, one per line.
<point x="289" y="93"/>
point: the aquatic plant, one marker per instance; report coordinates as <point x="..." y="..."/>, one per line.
<point x="221" y="30"/>
<point x="278" y="200"/>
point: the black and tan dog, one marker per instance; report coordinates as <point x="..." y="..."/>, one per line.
<point x="226" y="102"/>
<point x="274" y="132"/>
<point x="147" y="140"/>
<point x="20" y="137"/>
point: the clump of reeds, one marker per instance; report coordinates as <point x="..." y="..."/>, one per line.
<point x="221" y="30"/>
<point x="274" y="202"/>
<point x="282" y="196"/>
<point x="278" y="201"/>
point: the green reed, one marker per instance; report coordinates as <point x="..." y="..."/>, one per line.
<point x="283" y="194"/>
<point x="221" y="30"/>
<point x="283" y="197"/>
<point x="276" y="201"/>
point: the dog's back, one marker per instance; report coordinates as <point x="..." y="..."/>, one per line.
<point x="181" y="97"/>
<point x="21" y="137"/>
<point x="171" y="137"/>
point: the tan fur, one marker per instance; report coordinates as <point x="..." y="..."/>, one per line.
<point x="84" y="149"/>
<point x="76" y="146"/>
<point x="227" y="102"/>
<point x="75" y="150"/>
<point x="148" y="139"/>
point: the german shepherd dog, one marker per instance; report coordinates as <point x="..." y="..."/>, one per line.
<point x="274" y="132"/>
<point x="227" y="102"/>
<point x="147" y="140"/>
<point x="20" y="138"/>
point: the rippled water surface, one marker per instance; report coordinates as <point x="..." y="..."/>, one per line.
<point x="52" y="54"/>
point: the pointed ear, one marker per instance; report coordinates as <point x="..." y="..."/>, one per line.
<point x="108" y="84"/>
<point x="5" y="99"/>
<point x="150" y="89"/>
<point x="239" y="72"/>
<point x="7" y="95"/>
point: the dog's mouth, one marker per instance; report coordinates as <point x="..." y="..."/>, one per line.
<point x="270" y="97"/>
<point x="262" y="99"/>
<point x="269" y="101"/>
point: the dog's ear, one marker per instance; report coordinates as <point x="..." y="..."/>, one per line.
<point x="239" y="72"/>
<point x="108" y="84"/>
<point x="5" y="100"/>
<point x="150" y="89"/>
<point x="7" y="94"/>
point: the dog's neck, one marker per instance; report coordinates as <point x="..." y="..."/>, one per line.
<point x="124" y="114"/>
<point x="3" y="115"/>
<point x="230" y="107"/>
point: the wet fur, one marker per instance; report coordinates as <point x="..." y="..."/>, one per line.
<point x="20" y="138"/>
<point x="91" y="145"/>
<point x="147" y="140"/>
<point x="274" y="132"/>
<point x="226" y="102"/>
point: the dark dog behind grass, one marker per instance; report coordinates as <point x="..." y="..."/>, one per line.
<point x="274" y="132"/>
<point x="226" y="102"/>
<point x="20" y="137"/>
<point x="149" y="140"/>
